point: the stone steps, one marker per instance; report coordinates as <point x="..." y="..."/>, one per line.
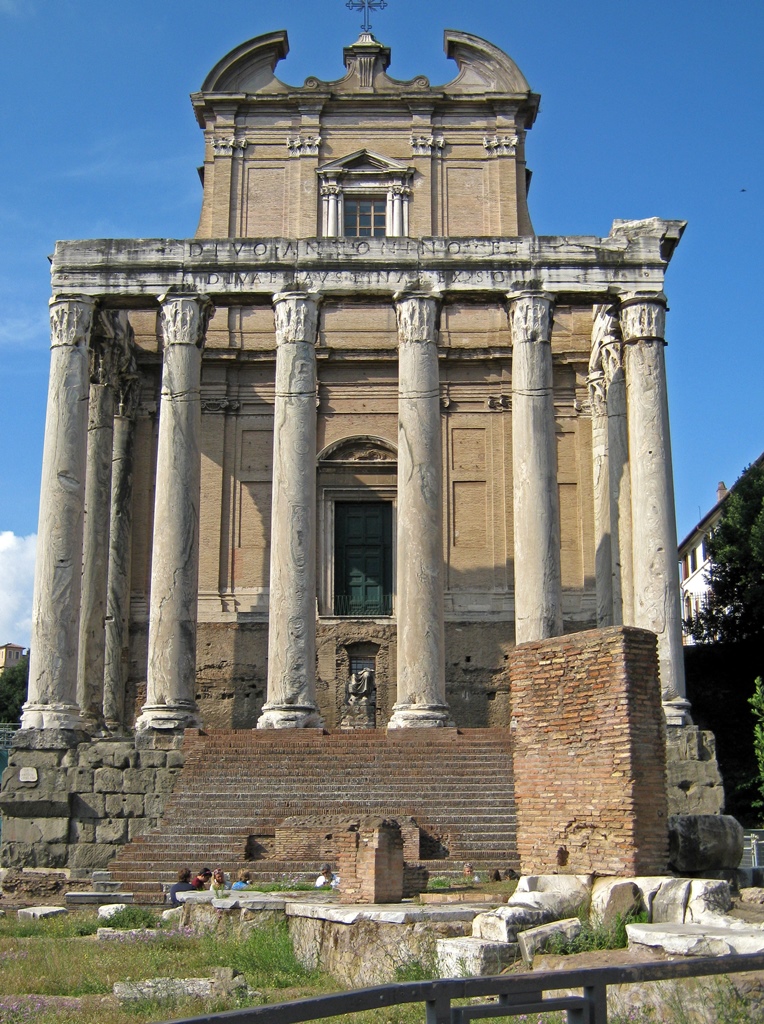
<point x="237" y="784"/>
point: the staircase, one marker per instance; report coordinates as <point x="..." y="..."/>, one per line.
<point x="237" y="786"/>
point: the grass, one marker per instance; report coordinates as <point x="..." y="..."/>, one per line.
<point x="592" y="937"/>
<point x="56" y="972"/>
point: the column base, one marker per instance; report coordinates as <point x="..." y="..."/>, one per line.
<point x="420" y="716"/>
<point x="168" y="717"/>
<point x="61" y="717"/>
<point x="290" y="716"/>
<point x="677" y="711"/>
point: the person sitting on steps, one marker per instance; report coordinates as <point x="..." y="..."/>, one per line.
<point x="182" y="885"/>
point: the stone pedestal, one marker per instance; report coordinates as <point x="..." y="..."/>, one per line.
<point x="170" y="700"/>
<point x="538" y="586"/>
<point x="95" y="550"/>
<point x="120" y="548"/>
<point x="52" y="699"/>
<point x="421" y="631"/>
<point x="656" y="580"/>
<point x="291" y="701"/>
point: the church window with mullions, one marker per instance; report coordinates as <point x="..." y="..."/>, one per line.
<point x="365" y="218"/>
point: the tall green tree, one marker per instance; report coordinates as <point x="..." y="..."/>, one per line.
<point x="735" y="609"/>
<point x="13" y="690"/>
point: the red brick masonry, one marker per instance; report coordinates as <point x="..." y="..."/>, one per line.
<point x="590" y="754"/>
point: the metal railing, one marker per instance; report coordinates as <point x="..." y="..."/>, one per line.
<point x="514" y="994"/>
<point x="7" y="732"/>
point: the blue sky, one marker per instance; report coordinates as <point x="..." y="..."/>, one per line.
<point x="648" y="108"/>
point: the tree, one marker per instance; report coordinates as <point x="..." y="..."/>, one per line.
<point x="735" y="609"/>
<point x="13" y="690"/>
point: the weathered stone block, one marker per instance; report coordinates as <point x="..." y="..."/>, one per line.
<point x="702" y="842"/>
<point x="127" y="805"/>
<point x="613" y="898"/>
<point x="40" y="913"/>
<point x="165" y="781"/>
<point x="48" y="796"/>
<point x="175" y="758"/>
<point x="34" y="855"/>
<point x="37" y="758"/>
<point x="108" y="780"/>
<point x="111" y="830"/>
<point x="670" y="901"/>
<point x="709" y="899"/>
<point x="154" y="804"/>
<point x="81" y="831"/>
<point x="152" y="758"/>
<point x="534" y="939"/>
<point x="139" y="780"/>
<point x="139" y="827"/>
<point x="92" y="855"/>
<point x="123" y="755"/>
<point x="91" y="755"/>
<point x="88" y="805"/>
<point x="468" y="957"/>
<point x="108" y="910"/>
<point x="81" y="780"/>
<point x="695" y="939"/>
<point x="36" y="830"/>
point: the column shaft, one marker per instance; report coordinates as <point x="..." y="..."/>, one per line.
<point x="170" y="700"/>
<point x="620" y="478"/>
<point x="538" y="586"/>
<point x="120" y="550"/>
<point x="291" y="700"/>
<point x="603" y="565"/>
<point x="52" y="697"/>
<point x="656" y="580"/>
<point x="95" y="551"/>
<point x="419" y="611"/>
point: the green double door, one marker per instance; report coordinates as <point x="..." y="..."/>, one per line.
<point x="363" y="546"/>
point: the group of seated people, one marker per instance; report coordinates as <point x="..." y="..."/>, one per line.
<point x="215" y="880"/>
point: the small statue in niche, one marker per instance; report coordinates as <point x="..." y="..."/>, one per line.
<point x="360" y="700"/>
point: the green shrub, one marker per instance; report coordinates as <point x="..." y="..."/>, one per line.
<point x="132" y="917"/>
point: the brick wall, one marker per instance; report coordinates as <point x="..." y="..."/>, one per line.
<point x="370" y="862"/>
<point x="589" y="754"/>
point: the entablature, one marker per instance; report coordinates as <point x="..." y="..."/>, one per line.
<point x="125" y="272"/>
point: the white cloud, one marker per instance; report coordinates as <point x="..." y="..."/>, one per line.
<point x="24" y="330"/>
<point x="17" y="556"/>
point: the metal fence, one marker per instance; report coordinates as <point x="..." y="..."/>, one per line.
<point x="753" y="849"/>
<point x="512" y="994"/>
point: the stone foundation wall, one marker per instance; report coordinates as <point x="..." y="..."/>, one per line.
<point x="590" y="754"/>
<point x="77" y="807"/>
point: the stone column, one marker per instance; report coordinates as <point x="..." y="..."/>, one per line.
<point x="120" y="543"/>
<point x="618" y="468"/>
<point x="419" y="612"/>
<point x="656" y="580"/>
<point x="291" y="700"/>
<point x="538" y="586"/>
<point x="603" y="568"/>
<point x="52" y="697"/>
<point x="170" y="700"/>
<point x="95" y="551"/>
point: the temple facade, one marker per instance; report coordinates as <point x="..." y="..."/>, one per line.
<point x="327" y="461"/>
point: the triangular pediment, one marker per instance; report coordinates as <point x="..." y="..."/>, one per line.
<point x="364" y="160"/>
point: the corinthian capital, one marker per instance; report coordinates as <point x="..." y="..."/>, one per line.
<point x="417" y="316"/>
<point x="530" y="316"/>
<point x="184" y="319"/>
<point x="644" y="319"/>
<point x="71" y="321"/>
<point x="296" y="317"/>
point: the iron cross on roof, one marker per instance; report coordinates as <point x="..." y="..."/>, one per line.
<point x="367" y="6"/>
